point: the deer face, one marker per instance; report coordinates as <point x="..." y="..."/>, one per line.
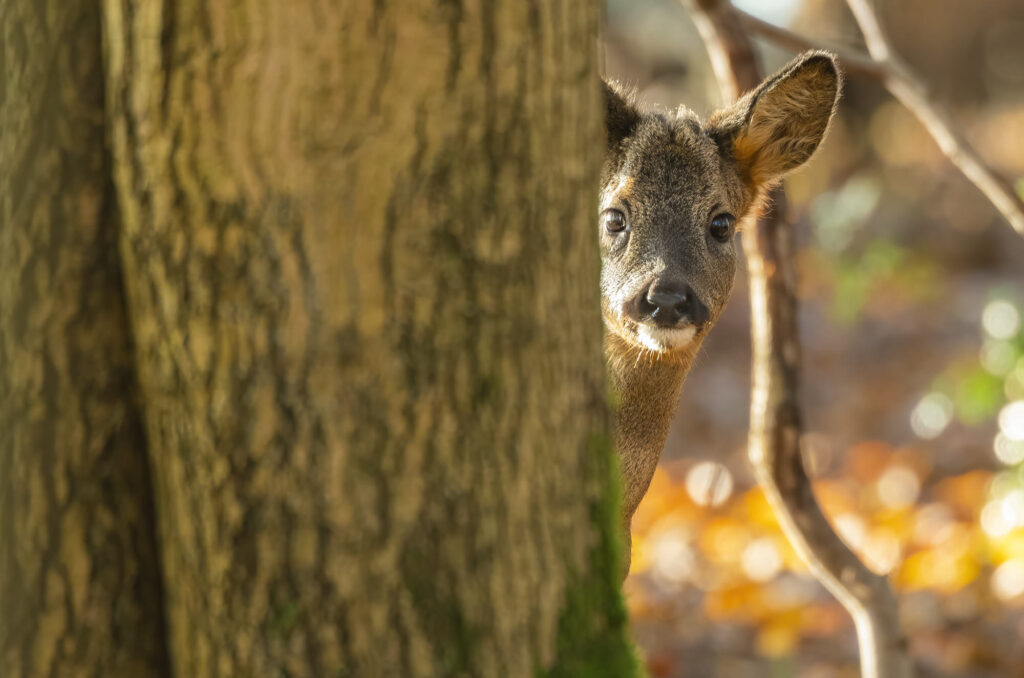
<point x="667" y="218"/>
<point x="674" y="190"/>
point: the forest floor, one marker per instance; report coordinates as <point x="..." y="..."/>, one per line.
<point x="715" y="591"/>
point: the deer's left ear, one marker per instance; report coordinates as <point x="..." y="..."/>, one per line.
<point x="621" y="114"/>
<point x="778" y="126"/>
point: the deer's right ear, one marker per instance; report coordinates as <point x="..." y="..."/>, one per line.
<point x="621" y="116"/>
<point x="778" y="126"/>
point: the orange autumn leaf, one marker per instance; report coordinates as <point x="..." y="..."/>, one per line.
<point x="965" y="493"/>
<point x="664" y="497"/>
<point x="759" y="511"/>
<point x="866" y="460"/>
<point x="943" y="569"/>
<point x="915" y="458"/>
<point x="824" y="619"/>
<point x="741" y="602"/>
<point x="779" y="636"/>
<point x="723" y="539"/>
<point x="1007" y="547"/>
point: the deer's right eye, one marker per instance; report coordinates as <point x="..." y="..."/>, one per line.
<point x="722" y="227"/>
<point x="614" y="220"/>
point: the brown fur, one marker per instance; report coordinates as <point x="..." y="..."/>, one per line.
<point x="671" y="173"/>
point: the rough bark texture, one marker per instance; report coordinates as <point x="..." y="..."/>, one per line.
<point x="79" y="585"/>
<point x="363" y="275"/>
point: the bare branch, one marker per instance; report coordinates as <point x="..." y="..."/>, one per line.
<point x="853" y="61"/>
<point x="908" y="88"/>
<point x="874" y="38"/>
<point x="732" y="54"/>
<point x="775" y="418"/>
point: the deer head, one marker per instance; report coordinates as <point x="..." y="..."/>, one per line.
<point x="675" y="188"/>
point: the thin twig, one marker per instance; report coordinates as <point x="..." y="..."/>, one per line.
<point x="775" y="417"/>
<point x="908" y="88"/>
<point x="854" y="61"/>
<point x="874" y="38"/>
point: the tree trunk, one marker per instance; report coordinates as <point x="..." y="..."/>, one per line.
<point x="79" y="584"/>
<point x="362" y="271"/>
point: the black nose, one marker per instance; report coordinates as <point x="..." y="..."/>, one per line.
<point x="667" y="304"/>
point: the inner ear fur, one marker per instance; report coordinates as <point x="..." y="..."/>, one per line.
<point x="621" y="113"/>
<point x="778" y="126"/>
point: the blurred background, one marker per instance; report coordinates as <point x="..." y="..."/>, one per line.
<point x="912" y="322"/>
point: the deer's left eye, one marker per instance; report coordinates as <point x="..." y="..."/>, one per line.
<point x="614" y="220"/>
<point x="722" y="227"/>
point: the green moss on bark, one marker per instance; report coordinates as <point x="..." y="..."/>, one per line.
<point x="593" y="632"/>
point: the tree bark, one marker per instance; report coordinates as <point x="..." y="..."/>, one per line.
<point x="79" y="583"/>
<point x="363" y="278"/>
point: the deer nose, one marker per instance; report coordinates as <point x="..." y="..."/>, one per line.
<point x="667" y="304"/>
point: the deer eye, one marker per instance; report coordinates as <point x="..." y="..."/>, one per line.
<point x="614" y="221"/>
<point x="722" y="227"/>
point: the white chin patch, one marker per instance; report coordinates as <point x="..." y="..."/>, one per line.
<point x="665" y="338"/>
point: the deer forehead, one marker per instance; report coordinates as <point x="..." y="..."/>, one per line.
<point x="671" y="164"/>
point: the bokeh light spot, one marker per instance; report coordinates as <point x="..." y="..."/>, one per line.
<point x="1014" y="384"/>
<point x="1013" y="508"/>
<point x="997" y="357"/>
<point x="761" y="560"/>
<point x="674" y="560"/>
<point x="993" y="519"/>
<point x="932" y="415"/>
<point x="898" y="487"/>
<point x="934" y="524"/>
<point x="881" y="551"/>
<point x="709" y="483"/>
<point x="1001" y="319"/>
<point x="1011" y="420"/>
<point x="852" y="528"/>
<point x="773" y="11"/>
<point x="1010" y="452"/>
<point x="1008" y="579"/>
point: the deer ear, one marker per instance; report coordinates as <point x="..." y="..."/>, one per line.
<point x="778" y="126"/>
<point x="621" y="115"/>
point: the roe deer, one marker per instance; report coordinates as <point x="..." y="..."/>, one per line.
<point x="674" y="188"/>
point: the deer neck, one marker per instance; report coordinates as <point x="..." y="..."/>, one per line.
<point x="647" y="388"/>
